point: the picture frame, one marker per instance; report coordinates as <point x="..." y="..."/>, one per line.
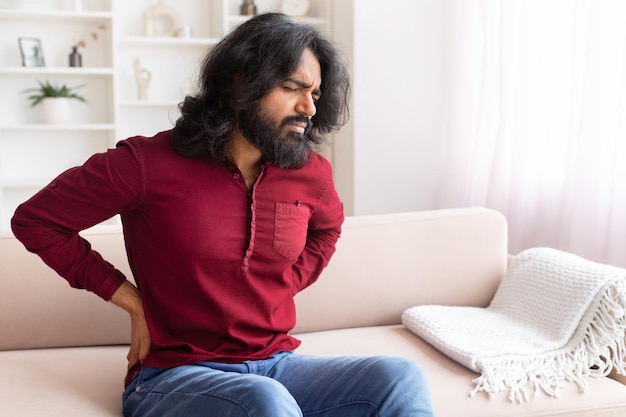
<point x="32" y="54"/>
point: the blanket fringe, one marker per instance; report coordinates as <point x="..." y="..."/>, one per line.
<point x="601" y="350"/>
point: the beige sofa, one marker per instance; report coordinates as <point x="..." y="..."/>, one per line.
<point x="63" y="351"/>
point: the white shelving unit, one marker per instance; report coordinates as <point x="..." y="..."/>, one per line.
<point x="31" y="152"/>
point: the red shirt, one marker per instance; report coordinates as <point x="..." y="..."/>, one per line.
<point x="217" y="264"/>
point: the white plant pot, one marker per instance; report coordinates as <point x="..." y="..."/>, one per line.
<point x="56" y="110"/>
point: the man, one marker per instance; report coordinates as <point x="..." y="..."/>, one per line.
<point x="226" y="217"/>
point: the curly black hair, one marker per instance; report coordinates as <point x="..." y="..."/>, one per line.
<point x="242" y="68"/>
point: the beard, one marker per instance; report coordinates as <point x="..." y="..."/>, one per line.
<point x="285" y="150"/>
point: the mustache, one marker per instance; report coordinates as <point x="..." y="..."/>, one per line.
<point x="302" y="119"/>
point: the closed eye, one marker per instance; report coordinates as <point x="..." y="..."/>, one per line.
<point x="294" y="84"/>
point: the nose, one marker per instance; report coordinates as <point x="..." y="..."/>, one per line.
<point x="306" y="105"/>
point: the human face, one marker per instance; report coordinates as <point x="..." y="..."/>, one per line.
<point x="277" y="127"/>
<point x="295" y="96"/>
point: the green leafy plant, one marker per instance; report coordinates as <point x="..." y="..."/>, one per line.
<point x="47" y="90"/>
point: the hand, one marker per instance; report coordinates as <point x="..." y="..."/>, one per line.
<point x="129" y="298"/>
<point x="140" y="340"/>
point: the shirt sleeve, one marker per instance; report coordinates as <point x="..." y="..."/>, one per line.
<point x="48" y="224"/>
<point x="322" y="235"/>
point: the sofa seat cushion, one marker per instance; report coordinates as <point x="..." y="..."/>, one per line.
<point x="605" y="397"/>
<point x="63" y="382"/>
<point x="87" y="381"/>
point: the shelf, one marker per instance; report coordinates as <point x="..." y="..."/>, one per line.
<point x="165" y="41"/>
<point x="29" y="71"/>
<point x="59" y="15"/>
<point x="149" y="103"/>
<point x="314" y="21"/>
<point x="42" y="127"/>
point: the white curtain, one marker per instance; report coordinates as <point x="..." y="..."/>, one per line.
<point x="536" y="122"/>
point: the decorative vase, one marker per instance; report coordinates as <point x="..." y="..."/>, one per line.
<point x="248" y="8"/>
<point x="75" y="58"/>
<point x="56" y="110"/>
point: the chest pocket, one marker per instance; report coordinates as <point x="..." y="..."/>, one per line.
<point x="290" y="229"/>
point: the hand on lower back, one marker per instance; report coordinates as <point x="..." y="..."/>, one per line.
<point x="129" y="298"/>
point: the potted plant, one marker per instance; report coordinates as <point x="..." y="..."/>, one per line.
<point x="55" y="100"/>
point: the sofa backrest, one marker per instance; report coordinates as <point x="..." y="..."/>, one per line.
<point x="387" y="263"/>
<point x="383" y="264"/>
<point x="39" y="309"/>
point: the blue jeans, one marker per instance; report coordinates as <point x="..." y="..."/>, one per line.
<point x="285" y="385"/>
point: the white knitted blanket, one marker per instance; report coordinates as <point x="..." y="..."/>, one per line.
<point x="555" y="317"/>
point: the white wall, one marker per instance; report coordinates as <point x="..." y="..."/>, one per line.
<point x="388" y="158"/>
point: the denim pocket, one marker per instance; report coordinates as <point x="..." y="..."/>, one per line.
<point x="141" y="384"/>
<point x="131" y="398"/>
<point x="291" y="222"/>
